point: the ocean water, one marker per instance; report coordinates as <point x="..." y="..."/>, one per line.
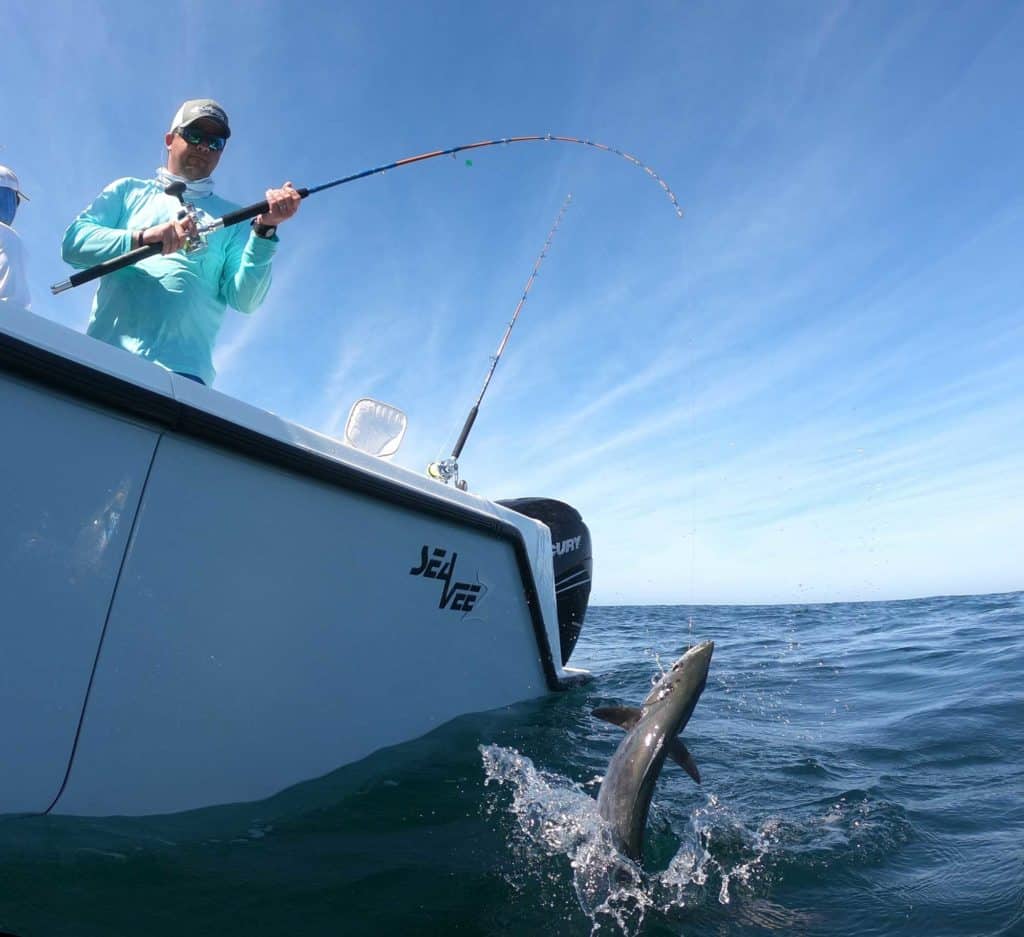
<point x="863" y="774"/>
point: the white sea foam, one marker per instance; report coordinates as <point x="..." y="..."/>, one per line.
<point x="722" y="866"/>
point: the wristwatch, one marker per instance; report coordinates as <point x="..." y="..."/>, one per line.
<point x="264" y="230"/>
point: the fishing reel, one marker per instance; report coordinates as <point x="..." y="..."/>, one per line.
<point x="196" y="244"/>
<point x="447" y="471"/>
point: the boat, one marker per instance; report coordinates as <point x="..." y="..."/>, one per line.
<point x="204" y="603"/>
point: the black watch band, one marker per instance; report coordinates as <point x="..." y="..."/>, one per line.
<point x="264" y="230"/>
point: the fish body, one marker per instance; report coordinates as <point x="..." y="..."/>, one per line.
<point x="652" y="735"/>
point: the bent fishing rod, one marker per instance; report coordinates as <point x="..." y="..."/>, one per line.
<point x="245" y="214"/>
<point x="448" y="469"/>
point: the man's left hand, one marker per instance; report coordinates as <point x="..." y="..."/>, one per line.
<point x="283" y="202"/>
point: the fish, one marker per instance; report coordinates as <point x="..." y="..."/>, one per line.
<point x="652" y="734"/>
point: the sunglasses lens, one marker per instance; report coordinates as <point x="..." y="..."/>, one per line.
<point x="195" y="138"/>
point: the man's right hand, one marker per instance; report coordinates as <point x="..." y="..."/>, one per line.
<point x="171" y="235"/>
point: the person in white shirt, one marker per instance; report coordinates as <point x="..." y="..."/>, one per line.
<point x="13" y="280"/>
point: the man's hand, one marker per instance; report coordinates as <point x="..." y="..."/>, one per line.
<point x="171" y="235"/>
<point x="283" y="202"/>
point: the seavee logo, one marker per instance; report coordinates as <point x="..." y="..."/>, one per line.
<point x="458" y="596"/>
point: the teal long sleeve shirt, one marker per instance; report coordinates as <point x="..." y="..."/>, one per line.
<point x="167" y="308"/>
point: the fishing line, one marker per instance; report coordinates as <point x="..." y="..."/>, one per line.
<point x="251" y="211"/>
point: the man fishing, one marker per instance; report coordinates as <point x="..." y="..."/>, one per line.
<point x="169" y="307"/>
<point x="13" y="281"/>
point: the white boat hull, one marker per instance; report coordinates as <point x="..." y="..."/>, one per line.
<point x="204" y="604"/>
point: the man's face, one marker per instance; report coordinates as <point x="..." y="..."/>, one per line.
<point x="193" y="160"/>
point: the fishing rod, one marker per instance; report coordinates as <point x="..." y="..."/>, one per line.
<point x="193" y="244"/>
<point x="448" y="469"/>
<point x="245" y="214"/>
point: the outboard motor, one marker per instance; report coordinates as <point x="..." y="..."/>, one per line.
<point x="572" y="558"/>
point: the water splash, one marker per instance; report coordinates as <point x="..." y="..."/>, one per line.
<point x="721" y="866"/>
<point x="556" y="817"/>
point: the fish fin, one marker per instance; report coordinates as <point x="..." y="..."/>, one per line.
<point x="679" y="753"/>
<point x="624" y="716"/>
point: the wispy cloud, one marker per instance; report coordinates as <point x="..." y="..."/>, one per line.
<point x="810" y="388"/>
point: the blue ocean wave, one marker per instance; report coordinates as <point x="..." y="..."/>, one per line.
<point x="863" y="774"/>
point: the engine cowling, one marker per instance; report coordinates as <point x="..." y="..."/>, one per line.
<point x="572" y="559"/>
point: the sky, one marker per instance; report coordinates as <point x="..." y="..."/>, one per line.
<point x="809" y="389"/>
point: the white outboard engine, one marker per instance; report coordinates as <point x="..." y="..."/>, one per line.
<point x="572" y="558"/>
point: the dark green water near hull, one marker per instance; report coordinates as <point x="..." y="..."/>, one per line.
<point x="863" y="774"/>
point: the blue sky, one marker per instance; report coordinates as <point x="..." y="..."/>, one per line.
<point x="809" y="389"/>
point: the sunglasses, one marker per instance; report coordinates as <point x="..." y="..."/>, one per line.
<point x="196" y="138"/>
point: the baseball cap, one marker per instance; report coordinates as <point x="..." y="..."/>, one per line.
<point x="197" y="109"/>
<point x="8" y="180"/>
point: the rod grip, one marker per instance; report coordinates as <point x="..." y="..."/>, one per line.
<point x="108" y="266"/>
<point x="244" y="214"/>
<point x="251" y="211"/>
<point x="464" y="435"/>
